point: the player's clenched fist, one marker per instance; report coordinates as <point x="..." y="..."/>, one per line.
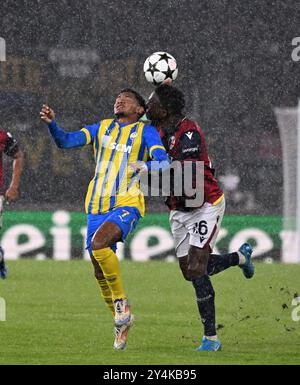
<point x="47" y="114"/>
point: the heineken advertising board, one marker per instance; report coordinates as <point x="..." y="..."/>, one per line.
<point x="61" y="235"/>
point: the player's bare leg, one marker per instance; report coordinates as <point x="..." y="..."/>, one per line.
<point x="107" y="235"/>
<point x="197" y="271"/>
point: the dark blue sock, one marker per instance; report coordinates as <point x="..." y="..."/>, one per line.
<point x="206" y="303"/>
<point x="218" y="263"/>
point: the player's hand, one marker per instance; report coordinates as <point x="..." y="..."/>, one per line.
<point x="11" y="194"/>
<point x="138" y="167"/>
<point x="47" y="114"/>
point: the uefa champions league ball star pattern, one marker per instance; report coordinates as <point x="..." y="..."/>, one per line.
<point x="160" y="66"/>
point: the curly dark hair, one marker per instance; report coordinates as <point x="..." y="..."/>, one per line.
<point x="171" y="98"/>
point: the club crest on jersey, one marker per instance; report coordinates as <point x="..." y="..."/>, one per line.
<point x="133" y="135"/>
<point x="172" y="142"/>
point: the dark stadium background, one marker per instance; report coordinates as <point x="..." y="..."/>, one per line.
<point x="235" y="67"/>
<point x="234" y="63"/>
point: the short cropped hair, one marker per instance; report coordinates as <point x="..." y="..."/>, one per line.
<point x="171" y="98"/>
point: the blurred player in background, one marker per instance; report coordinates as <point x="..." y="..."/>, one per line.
<point x="9" y="146"/>
<point x="195" y="229"/>
<point x="114" y="202"/>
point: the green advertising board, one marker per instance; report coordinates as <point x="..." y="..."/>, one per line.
<point x="61" y="235"/>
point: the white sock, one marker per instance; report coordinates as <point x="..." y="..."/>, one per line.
<point x="212" y="338"/>
<point x="242" y="259"/>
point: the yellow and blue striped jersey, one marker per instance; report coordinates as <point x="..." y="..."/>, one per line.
<point x="115" y="146"/>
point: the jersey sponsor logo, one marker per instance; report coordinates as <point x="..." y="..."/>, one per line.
<point x="106" y="142"/>
<point x="120" y="147"/>
<point x="189" y="134"/>
<point x="193" y="149"/>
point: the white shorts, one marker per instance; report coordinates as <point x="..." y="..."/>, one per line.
<point x="197" y="228"/>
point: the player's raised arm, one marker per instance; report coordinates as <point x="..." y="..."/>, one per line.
<point x="61" y="138"/>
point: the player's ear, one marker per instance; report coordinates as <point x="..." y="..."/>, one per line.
<point x="164" y="113"/>
<point x="140" y="110"/>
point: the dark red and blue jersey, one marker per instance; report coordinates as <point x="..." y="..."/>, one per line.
<point x="186" y="142"/>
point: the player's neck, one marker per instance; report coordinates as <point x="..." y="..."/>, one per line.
<point x="127" y="119"/>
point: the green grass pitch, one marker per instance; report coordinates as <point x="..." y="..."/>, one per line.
<point x="56" y="316"/>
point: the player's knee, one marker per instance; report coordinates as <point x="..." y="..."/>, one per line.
<point x="107" y="235"/>
<point x="197" y="262"/>
<point x="196" y="272"/>
<point x="95" y="245"/>
<point x="183" y="264"/>
<point x="186" y="275"/>
<point x="99" y="243"/>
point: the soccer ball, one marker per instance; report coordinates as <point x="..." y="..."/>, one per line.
<point x="160" y="66"/>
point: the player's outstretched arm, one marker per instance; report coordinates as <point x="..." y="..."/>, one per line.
<point x="61" y="138"/>
<point x="12" y="192"/>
